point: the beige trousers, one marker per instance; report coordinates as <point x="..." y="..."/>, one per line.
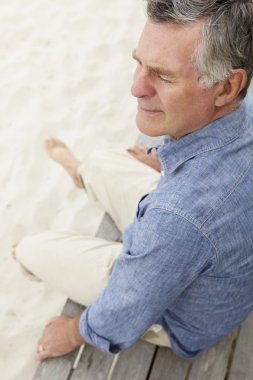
<point x="79" y="266"/>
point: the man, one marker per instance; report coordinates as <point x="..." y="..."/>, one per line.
<point x="183" y="276"/>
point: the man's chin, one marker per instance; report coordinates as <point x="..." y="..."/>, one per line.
<point x="148" y="129"/>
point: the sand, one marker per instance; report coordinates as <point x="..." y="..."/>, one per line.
<point x="66" y="71"/>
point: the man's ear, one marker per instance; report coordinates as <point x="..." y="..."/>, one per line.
<point x="229" y="89"/>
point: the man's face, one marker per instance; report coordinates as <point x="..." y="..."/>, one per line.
<point x="170" y="100"/>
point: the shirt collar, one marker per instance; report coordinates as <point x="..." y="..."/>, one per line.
<point x="214" y="135"/>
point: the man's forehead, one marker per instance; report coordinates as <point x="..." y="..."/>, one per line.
<point x="165" y="35"/>
<point x="168" y="46"/>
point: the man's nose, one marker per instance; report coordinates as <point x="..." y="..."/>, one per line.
<point x="142" y="84"/>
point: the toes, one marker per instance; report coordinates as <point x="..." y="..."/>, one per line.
<point x="58" y="142"/>
<point x="13" y="252"/>
<point x="53" y="142"/>
<point x="49" y="143"/>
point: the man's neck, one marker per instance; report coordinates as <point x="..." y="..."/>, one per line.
<point x="217" y="115"/>
<point x="226" y="110"/>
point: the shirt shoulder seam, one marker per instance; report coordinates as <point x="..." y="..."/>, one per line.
<point x="221" y="201"/>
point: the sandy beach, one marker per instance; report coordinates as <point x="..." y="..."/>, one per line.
<point x="65" y="71"/>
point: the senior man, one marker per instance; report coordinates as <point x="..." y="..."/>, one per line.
<point x="183" y="276"/>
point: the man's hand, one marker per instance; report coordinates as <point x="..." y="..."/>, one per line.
<point x="140" y="153"/>
<point x="61" y="336"/>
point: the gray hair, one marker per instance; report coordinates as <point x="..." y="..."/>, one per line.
<point x="227" y="42"/>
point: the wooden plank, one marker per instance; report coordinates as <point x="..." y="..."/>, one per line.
<point x="242" y="364"/>
<point x="168" y="366"/>
<point x="59" y="368"/>
<point x="72" y="309"/>
<point x="213" y="364"/>
<point x="53" y="369"/>
<point x="93" y="364"/>
<point x="134" y="363"/>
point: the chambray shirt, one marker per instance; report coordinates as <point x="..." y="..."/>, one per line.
<point x="187" y="259"/>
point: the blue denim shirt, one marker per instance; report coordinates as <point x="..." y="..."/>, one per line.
<point x="187" y="260"/>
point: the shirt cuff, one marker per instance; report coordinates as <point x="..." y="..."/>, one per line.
<point x="93" y="338"/>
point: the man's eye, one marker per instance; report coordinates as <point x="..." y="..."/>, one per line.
<point x="136" y="60"/>
<point x="164" y="79"/>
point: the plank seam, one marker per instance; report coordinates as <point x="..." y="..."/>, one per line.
<point x="70" y="374"/>
<point x="188" y="372"/>
<point x="112" y="367"/>
<point x="232" y="352"/>
<point x="152" y="363"/>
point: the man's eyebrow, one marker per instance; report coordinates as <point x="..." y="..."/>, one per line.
<point x="155" y="69"/>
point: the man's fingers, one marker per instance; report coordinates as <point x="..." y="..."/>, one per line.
<point x="136" y="149"/>
<point x="153" y="153"/>
<point x="139" y="152"/>
<point x="140" y="149"/>
<point x="133" y="153"/>
<point x="43" y="355"/>
<point x="43" y="352"/>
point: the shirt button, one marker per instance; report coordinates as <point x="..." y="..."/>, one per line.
<point x="162" y="173"/>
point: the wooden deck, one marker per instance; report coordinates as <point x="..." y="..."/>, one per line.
<point x="231" y="359"/>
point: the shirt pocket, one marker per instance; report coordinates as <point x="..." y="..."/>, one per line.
<point x="140" y="209"/>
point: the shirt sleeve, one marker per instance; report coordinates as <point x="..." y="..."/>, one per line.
<point x="162" y="254"/>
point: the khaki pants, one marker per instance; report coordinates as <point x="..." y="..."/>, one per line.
<point x="79" y="266"/>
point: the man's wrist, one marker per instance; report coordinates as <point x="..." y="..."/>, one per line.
<point x="75" y="336"/>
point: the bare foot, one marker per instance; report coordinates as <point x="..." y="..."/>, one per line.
<point x="13" y="252"/>
<point x="60" y="153"/>
<point x="140" y="153"/>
